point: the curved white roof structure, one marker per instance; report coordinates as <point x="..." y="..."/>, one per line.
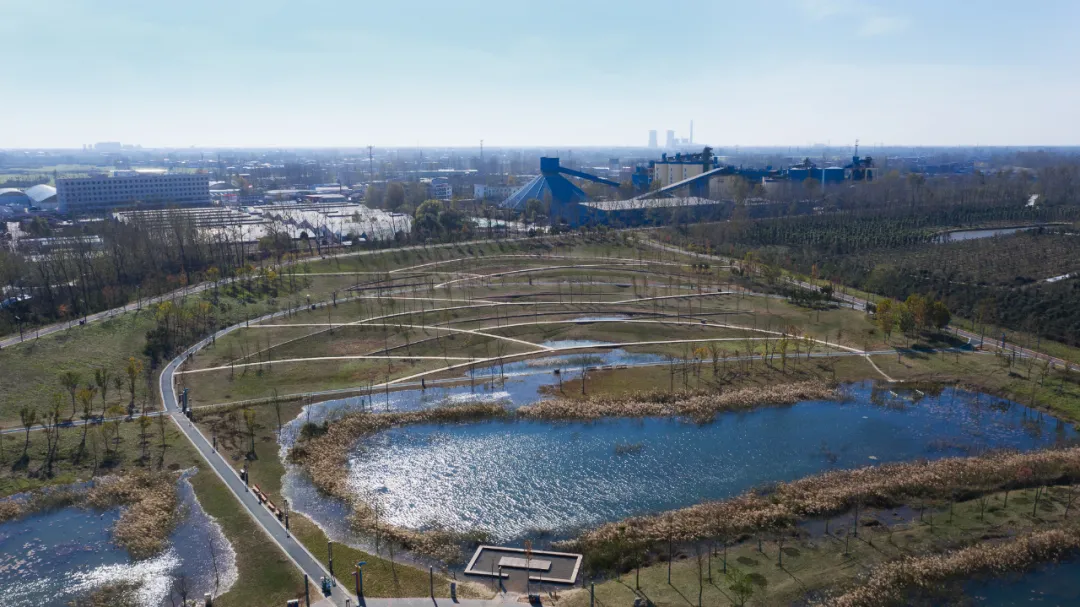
<point x="41" y="193"/>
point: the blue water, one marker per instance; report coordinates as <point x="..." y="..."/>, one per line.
<point x="960" y="235"/>
<point x="515" y="478"/>
<point x="50" y="558"/>
<point x="1053" y="584"/>
<point x="515" y="384"/>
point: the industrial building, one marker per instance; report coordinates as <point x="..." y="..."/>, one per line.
<point x="672" y="169"/>
<point x="563" y="197"/>
<point x="652" y="139"/>
<point x="39" y="197"/>
<point x="439" y="188"/>
<point x="42" y="196"/>
<point x="13" y="197"/>
<point x="103" y="193"/>
<point x="326" y="223"/>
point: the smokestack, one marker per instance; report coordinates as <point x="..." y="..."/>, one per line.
<point x="691" y="131"/>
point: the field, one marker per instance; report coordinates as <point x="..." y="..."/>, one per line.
<point x="704" y="330"/>
<point x="816" y="559"/>
<point x="1003" y="280"/>
<point x="641" y="322"/>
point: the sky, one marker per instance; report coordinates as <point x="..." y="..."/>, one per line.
<point x="350" y="73"/>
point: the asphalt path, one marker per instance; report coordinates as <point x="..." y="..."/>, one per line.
<point x="273" y="528"/>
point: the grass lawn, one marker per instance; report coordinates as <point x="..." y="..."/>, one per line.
<point x="281" y="379"/>
<point x="31" y="370"/>
<point x="1057" y="391"/>
<point x="816" y="562"/>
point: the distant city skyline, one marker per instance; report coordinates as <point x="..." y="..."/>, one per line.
<point x="341" y="74"/>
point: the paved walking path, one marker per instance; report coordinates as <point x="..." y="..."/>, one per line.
<point x="296" y="552"/>
<point x="861" y="303"/>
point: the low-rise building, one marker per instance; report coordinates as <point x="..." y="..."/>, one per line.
<point x="494" y="192"/>
<point x="439" y="188"/>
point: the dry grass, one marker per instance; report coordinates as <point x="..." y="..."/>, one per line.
<point x="151" y="513"/>
<point x="144" y="526"/>
<point x="836" y="492"/>
<point x="699" y="405"/>
<point x="38" y="501"/>
<point x="891" y="583"/>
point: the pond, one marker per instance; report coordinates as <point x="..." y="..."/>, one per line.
<point x="519" y="479"/>
<point x="1050" y="584"/>
<point x="959" y="235"/>
<point x="53" y="557"/>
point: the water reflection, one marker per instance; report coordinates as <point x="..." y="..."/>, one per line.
<point x="1052" y="584"/>
<point x="519" y="478"/>
<point x="514" y="477"/>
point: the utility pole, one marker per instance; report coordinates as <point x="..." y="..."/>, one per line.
<point x="371" y="167"/>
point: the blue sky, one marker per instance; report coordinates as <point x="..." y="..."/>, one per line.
<point x="552" y="73"/>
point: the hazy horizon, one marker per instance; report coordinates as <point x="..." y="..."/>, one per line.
<point x="558" y="75"/>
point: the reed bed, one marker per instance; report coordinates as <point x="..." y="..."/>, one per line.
<point x="835" y="492"/>
<point x="442" y="544"/>
<point x="144" y="526"/>
<point x="697" y="405"/>
<point x="10" y="509"/>
<point x="893" y="582"/>
<point x="39" y="501"/>
<point x="151" y="514"/>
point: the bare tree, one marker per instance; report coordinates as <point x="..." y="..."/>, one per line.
<point x="28" y="417"/>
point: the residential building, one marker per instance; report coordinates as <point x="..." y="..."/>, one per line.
<point x="101" y="193"/>
<point x="494" y="192"/>
<point x="439" y="188"/>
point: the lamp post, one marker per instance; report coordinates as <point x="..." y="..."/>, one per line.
<point x="286" y="504"/>
<point x="360" y="580"/>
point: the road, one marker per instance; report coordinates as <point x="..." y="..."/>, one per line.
<point x="35" y="333"/>
<point x="31" y="334"/>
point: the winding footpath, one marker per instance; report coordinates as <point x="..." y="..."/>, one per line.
<point x="297" y="553"/>
<point x="857" y="302"/>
